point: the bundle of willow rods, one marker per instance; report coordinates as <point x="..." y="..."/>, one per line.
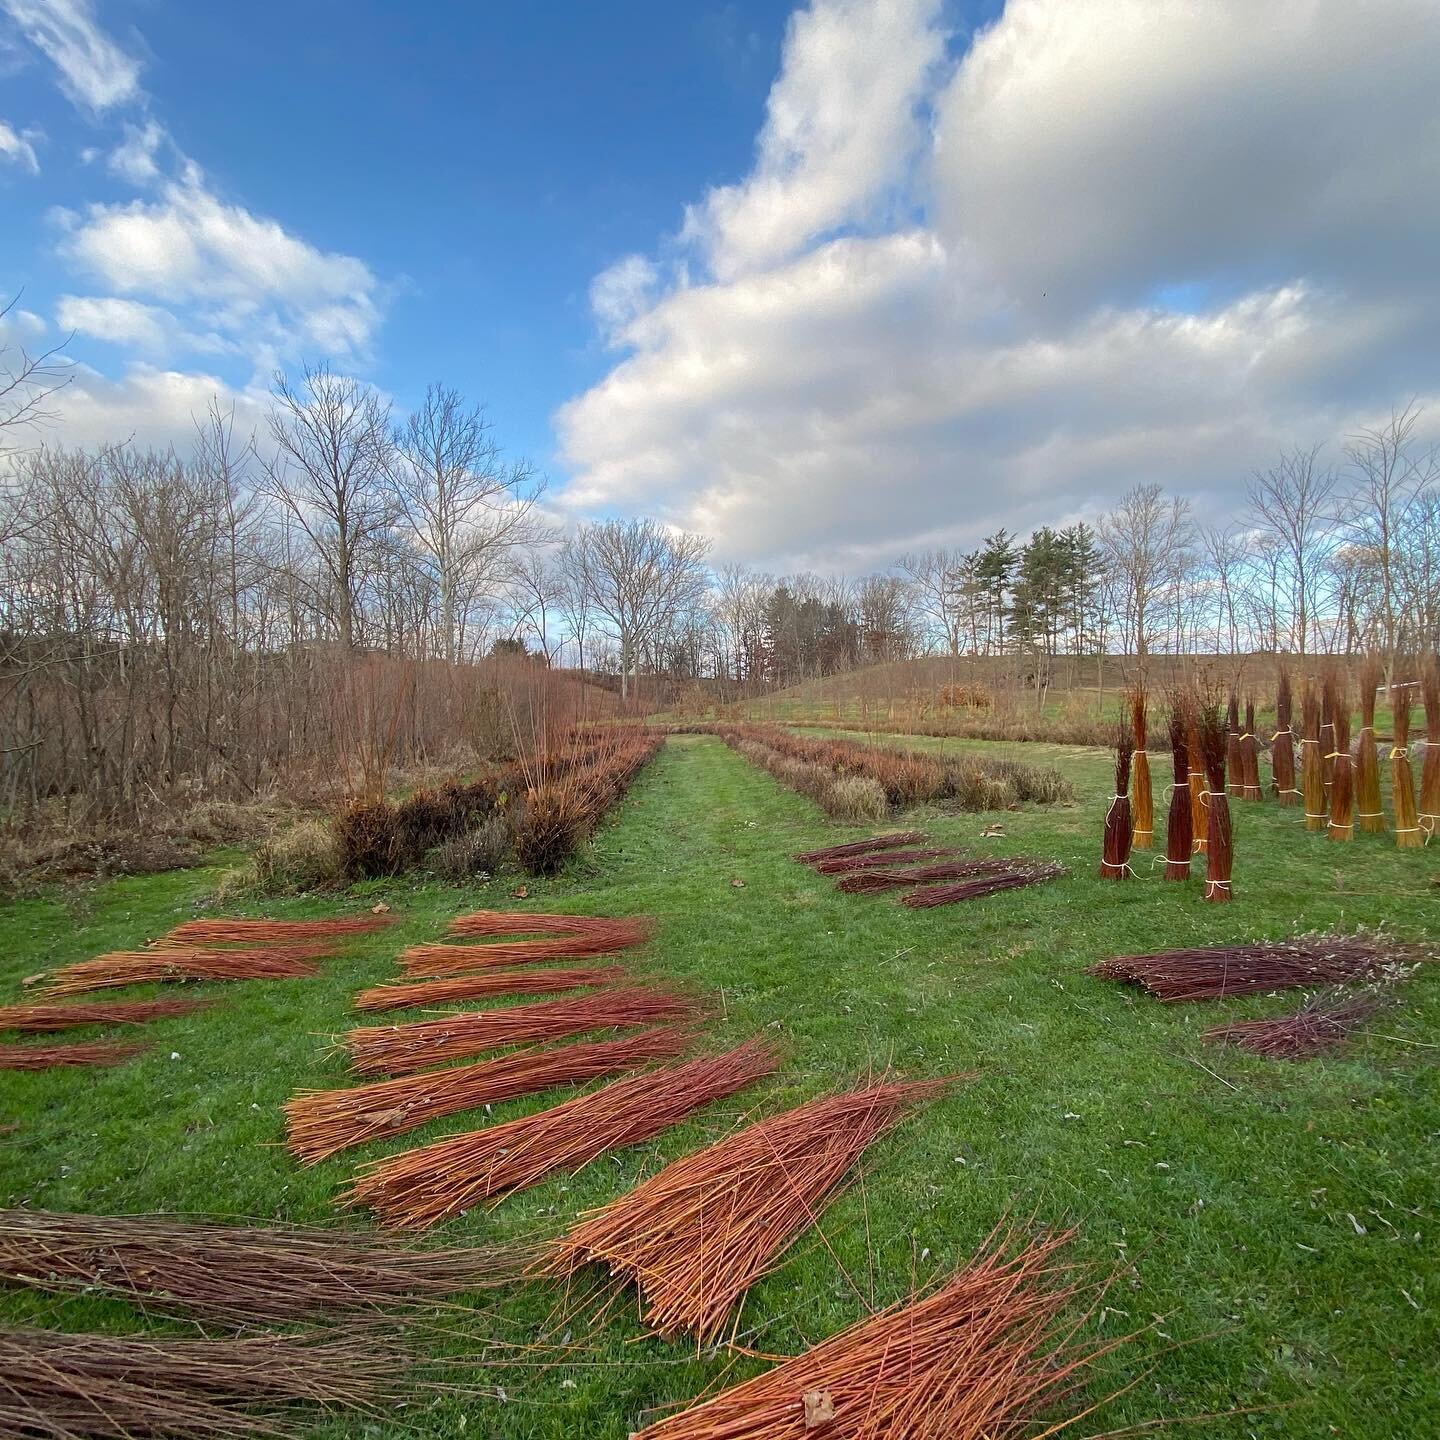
<point x="863" y="847"/>
<point x="66" y="1386"/>
<point x="1342" y="773"/>
<point x="868" y="881"/>
<point x="1142" y="798"/>
<point x="1329" y="690"/>
<point x="1250" y="757"/>
<point x="489" y="982"/>
<point x="1408" y="833"/>
<point x="1296" y="963"/>
<point x="45" y="1019"/>
<point x="49" y="1057"/>
<point x="404" y="1049"/>
<point x="1115" y="849"/>
<point x="1323" y="1023"/>
<point x="421" y="1187"/>
<point x="140" y="967"/>
<point x="694" y="1237"/>
<point x="1369" y="814"/>
<point x="1219" y="842"/>
<point x="1282" y="745"/>
<point x="978" y="1358"/>
<point x="234" y="1274"/>
<point x="434" y="960"/>
<point x="932" y="895"/>
<point x="1234" y="767"/>
<point x="878" y="861"/>
<point x="1312" y="761"/>
<point x="618" y="932"/>
<point x="1196" y="777"/>
<point x="1178" y="840"/>
<point x="1429" y="813"/>
<point x="321" y="1123"/>
<point x="241" y="932"/>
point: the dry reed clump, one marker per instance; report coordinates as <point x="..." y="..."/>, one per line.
<point x="1324" y="1023"/>
<point x="1142" y="798"/>
<point x="1342" y="771"/>
<point x="47" y="1019"/>
<point x="1429" y="812"/>
<point x="489" y="982"/>
<point x="234" y="1274"/>
<point x="977" y="1358"/>
<point x="1115" y="847"/>
<point x="696" y="1235"/>
<point x="321" y="1123"/>
<point x="856" y="798"/>
<point x="1369" y="812"/>
<point x="49" y="1057"/>
<point x="1178" y="839"/>
<point x="1408" y="832"/>
<point x="1282" y="745"/>
<point x="403" y="1049"/>
<point x="422" y="1187"/>
<point x="304" y="856"/>
<point x="480" y="851"/>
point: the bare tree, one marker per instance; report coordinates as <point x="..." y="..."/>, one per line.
<point x="936" y="579"/>
<point x="28" y="382"/>
<point x="1144" y="540"/>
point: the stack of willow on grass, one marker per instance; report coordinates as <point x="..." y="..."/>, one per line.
<point x="1250" y="757"/>
<point x="1219" y="842"/>
<point x="1429" y="814"/>
<point x="1322" y="1024"/>
<point x="1178" y="837"/>
<point x="1312" y="763"/>
<point x="1142" y="802"/>
<point x="1342" y="774"/>
<point x="1282" y="746"/>
<point x="100" y="1053"/>
<point x="46" y="1019"/>
<point x="1369" y="814"/>
<point x="1115" y="849"/>
<point x="1408" y="833"/>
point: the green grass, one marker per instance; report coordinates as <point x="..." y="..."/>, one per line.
<point x="1231" y="1191"/>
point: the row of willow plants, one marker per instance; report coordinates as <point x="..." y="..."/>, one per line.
<point x="853" y="780"/>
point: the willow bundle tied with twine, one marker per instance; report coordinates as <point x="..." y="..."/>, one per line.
<point x="46" y="1019"/>
<point x="696" y="1235"/>
<point x="1408" y="833"/>
<point x="1312" y="762"/>
<point x="1250" y="756"/>
<point x="1195" y="754"/>
<point x="1328" y="693"/>
<point x="406" y="996"/>
<point x="421" y="1187"/>
<point x="1234" y="769"/>
<point x="1115" y="852"/>
<point x="1342" y="774"/>
<point x="1282" y="743"/>
<point x="1178" y="840"/>
<point x="1369" y="813"/>
<point x="50" y="1057"/>
<point x="977" y="1357"/>
<point x="1142" y="798"/>
<point x="1219" y="842"/>
<point x="1430" y="770"/>
<point x="235" y="1274"/>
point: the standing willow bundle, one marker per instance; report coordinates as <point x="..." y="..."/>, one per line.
<point x="1329" y="691"/>
<point x="421" y="1187"/>
<point x="1250" y="757"/>
<point x="1342" y="774"/>
<point x="1142" y="799"/>
<point x="1219" y="843"/>
<point x="1178" y="838"/>
<point x="1282" y="746"/>
<point x="1312" y="763"/>
<point x="1368" y="812"/>
<point x="1233" y="767"/>
<point x="1115" y="854"/>
<point x="1195" y="753"/>
<point x="975" y="1359"/>
<point x="697" y="1234"/>
<point x="1429" y="816"/>
<point x="1402" y="790"/>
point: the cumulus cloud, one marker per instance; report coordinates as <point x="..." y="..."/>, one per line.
<point x="17" y="148"/>
<point x="135" y="157"/>
<point x="94" y="71"/>
<point x="1136" y="244"/>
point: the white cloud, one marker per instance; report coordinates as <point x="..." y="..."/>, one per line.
<point x="17" y="148"/>
<point x="133" y="159"/>
<point x="94" y="71"/>
<point x="149" y="328"/>
<point x="1149" y="240"/>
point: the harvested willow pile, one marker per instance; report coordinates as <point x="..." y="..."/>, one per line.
<point x="698" y="1234"/>
<point x="437" y="1181"/>
<point x="490" y="982"/>
<point x="1299" y="962"/>
<point x="321" y="1123"/>
<point x="242" y="932"/>
<point x="141" y="967"/>
<point x="435" y="960"/>
<point x="1142" y="798"/>
<point x="1408" y="833"/>
<point x="1369" y="814"/>
<point x="933" y="895"/>
<point x="1178" y="839"/>
<point x="404" y="1049"/>
<point x="849" y="863"/>
<point x="45" y="1019"/>
<point x="862" y="847"/>
<point x="50" y="1057"/>
<point x="1250" y="757"/>
<point x="1115" y="848"/>
<point x="65" y="1386"/>
<point x="620" y="932"/>
<point x="234" y="1274"/>
<point x="1312" y="762"/>
<point x="1219" y="842"/>
<point x="1342" y="772"/>
<point x="1429" y="813"/>
<point x="976" y="1359"/>
<point x="1323" y="1023"/>
<point x="867" y="882"/>
<point x="1282" y="744"/>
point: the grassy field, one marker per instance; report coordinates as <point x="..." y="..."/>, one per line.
<point x="1272" y="1223"/>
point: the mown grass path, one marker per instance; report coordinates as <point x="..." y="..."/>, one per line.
<point x="1278" y="1218"/>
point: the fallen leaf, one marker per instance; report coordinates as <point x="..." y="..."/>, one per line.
<point x="737" y="883"/>
<point x="523" y="893"/>
<point x="381" y="909"/>
<point x="819" y="1408"/>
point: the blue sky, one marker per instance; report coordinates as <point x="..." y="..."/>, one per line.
<point x="827" y="282"/>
